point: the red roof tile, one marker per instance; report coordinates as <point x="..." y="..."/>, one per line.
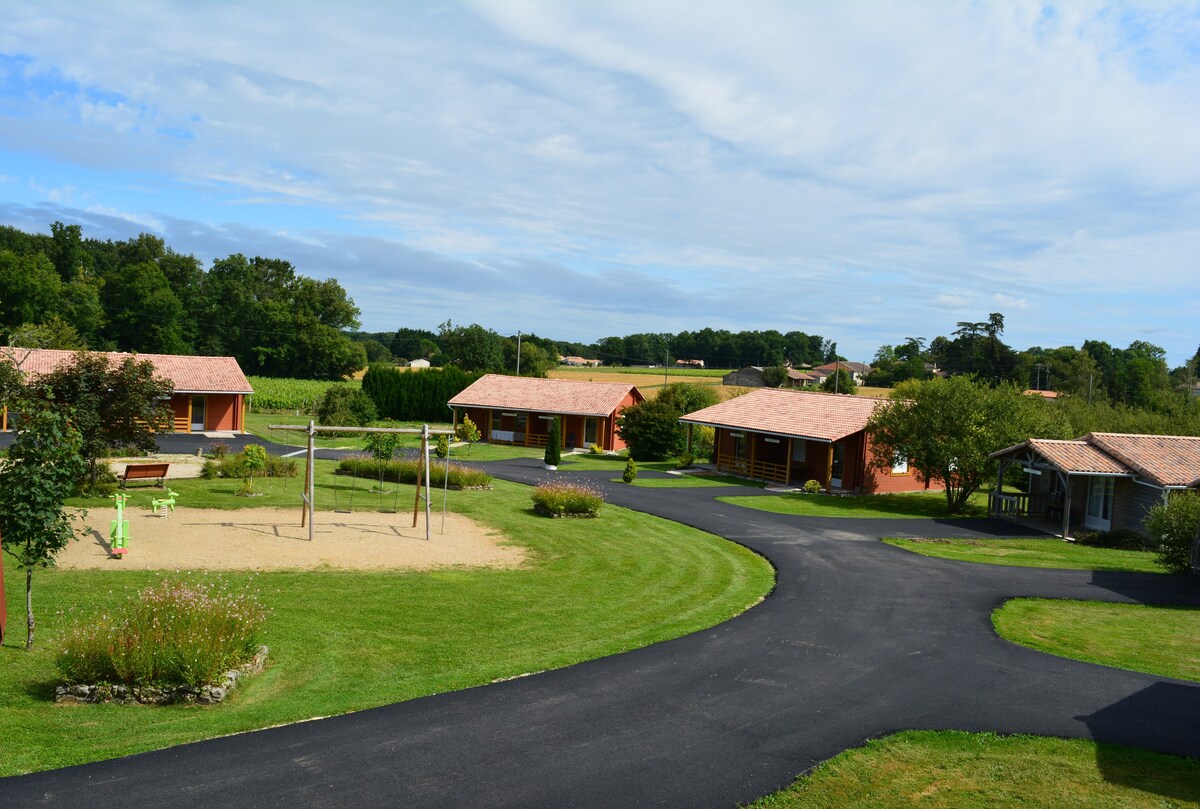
<point x="798" y="414"/>
<point x="1076" y="457"/>
<point x="187" y="374"/>
<point x="562" y="396"/>
<point x="1168" y="460"/>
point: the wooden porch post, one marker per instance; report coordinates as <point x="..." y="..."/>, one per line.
<point x="829" y="465"/>
<point x="787" y="474"/>
<point x="1066" y="515"/>
<point x="1001" y="468"/>
<point x="689" y="439"/>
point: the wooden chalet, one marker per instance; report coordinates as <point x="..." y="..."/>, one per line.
<point x="1101" y="482"/>
<point x="210" y="392"/>
<point x="791" y="436"/>
<point x="519" y="410"/>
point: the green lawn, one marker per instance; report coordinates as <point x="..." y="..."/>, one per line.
<point x="915" y="505"/>
<point x="692" y="482"/>
<point x="955" y="770"/>
<point x="345" y="641"/>
<point x="1053" y="553"/>
<point x="1156" y="640"/>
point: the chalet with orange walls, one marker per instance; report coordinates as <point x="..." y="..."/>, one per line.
<point x="790" y="437"/>
<point x="519" y="410"/>
<point x="210" y="392"/>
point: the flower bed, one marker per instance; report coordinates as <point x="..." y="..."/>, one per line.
<point x="566" y="500"/>
<point x="209" y="694"/>
<point x="405" y="471"/>
<point x="171" y="636"/>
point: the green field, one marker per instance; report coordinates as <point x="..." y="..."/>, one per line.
<point x="344" y="641"/>
<point x="955" y="770"/>
<point x="1052" y="553"/>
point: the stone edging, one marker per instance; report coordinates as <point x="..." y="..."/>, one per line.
<point x="540" y="509"/>
<point x="162" y="694"/>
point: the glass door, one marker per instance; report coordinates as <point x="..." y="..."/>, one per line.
<point x="589" y="432"/>
<point x="1099" y="504"/>
<point x="839" y="463"/>
<point x="198" y="414"/>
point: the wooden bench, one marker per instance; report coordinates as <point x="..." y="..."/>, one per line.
<point x="145" y="471"/>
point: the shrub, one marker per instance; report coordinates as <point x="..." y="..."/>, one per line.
<point x="703" y="439"/>
<point x="813" y="487"/>
<point x="104" y="485"/>
<point x="1123" y="538"/>
<point x="345" y="406"/>
<point x="685" y="461"/>
<point x="553" y="444"/>
<point x="405" y="471"/>
<point x="596" y="449"/>
<point x="1173" y="527"/>
<point x="171" y="633"/>
<point x="630" y="473"/>
<point x="218" y="449"/>
<point x="442" y="448"/>
<point x="211" y="470"/>
<point x="254" y="463"/>
<point x="234" y="466"/>
<point x="567" y="500"/>
<point x="651" y="430"/>
<point x="467" y="431"/>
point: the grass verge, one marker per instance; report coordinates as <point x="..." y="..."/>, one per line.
<point x="955" y="770"/>
<point x="692" y="482"/>
<point x="914" y="505"/>
<point x="1156" y="640"/>
<point x="1049" y="553"/>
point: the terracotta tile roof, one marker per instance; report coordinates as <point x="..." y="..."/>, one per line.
<point x="1168" y="460"/>
<point x="1164" y="460"/>
<point x="853" y="367"/>
<point x="187" y="374"/>
<point x="798" y="414"/>
<point x="562" y="396"/>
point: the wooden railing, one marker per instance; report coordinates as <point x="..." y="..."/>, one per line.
<point x="182" y="424"/>
<point x="1022" y="504"/>
<point x="536" y="439"/>
<point x="752" y="469"/>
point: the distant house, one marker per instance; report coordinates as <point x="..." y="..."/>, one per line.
<point x="749" y="377"/>
<point x="518" y="410"/>
<point x="858" y="370"/>
<point x="690" y="363"/>
<point x="791" y="437"/>
<point x="801" y="379"/>
<point x="420" y="363"/>
<point x="210" y="392"/>
<point x="1101" y="482"/>
<point x="579" y="362"/>
<point x="1045" y="394"/>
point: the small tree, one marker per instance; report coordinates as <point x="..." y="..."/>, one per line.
<point x="687" y="397"/>
<point x="468" y="432"/>
<point x="839" y="382"/>
<point x="254" y="460"/>
<point x="1173" y="526"/>
<point x="111" y="405"/>
<point x="651" y="430"/>
<point x="44" y="464"/>
<point x="630" y="473"/>
<point x="774" y="376"/>
<point x="554" y="444"/>
<point x="344" y="406"/>
<point x="382" y="446"/>
<point x="442" y="448"/>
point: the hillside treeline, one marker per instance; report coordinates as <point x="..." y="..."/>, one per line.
<point x="65" y="291"/>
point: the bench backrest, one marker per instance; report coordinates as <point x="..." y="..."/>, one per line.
<point x="146" y="470"/>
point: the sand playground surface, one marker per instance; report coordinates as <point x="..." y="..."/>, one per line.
<point x="272" y="539"/>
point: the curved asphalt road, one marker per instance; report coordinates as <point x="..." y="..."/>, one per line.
<point x="858" y="639"/>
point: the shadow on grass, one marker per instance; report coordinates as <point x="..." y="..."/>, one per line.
<point x="1138" y="721"/>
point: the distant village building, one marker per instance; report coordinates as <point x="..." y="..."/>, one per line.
<point x="858" y="370"/>
<point x="418" y="364"/>
<point x="579" y="362"/>
<point x="749" y="377"/>
<point x="689" y="363"/>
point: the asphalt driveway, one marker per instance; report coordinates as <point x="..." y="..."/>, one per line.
<point x="858" y="639"/>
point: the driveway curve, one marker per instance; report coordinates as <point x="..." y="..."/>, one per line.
<point x="858" y="639"/>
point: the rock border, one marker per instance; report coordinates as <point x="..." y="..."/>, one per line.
<point x="121" y="694"/>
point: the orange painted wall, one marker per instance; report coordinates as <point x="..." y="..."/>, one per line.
<point x="883" y="481"/>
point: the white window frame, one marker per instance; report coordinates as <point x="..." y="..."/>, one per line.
<point x="899" y="464"/>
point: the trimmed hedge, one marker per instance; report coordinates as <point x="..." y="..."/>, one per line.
<point x="414" y="395"/>
<point x="405" y="471"/>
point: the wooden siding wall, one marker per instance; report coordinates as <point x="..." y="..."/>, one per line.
<point x="1131" y="501"/>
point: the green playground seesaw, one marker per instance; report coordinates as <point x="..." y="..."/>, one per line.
<point x="118" y="529"/>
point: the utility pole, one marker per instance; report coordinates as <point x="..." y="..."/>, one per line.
<point x="1038" y="379"/>
<point x="666" y="356"/>
<point x="518" y="352"/>
<point x="1090" y="388"/>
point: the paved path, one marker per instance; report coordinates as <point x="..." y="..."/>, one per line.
<point x="858" y="639"/>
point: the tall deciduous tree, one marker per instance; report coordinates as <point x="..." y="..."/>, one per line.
<point x="112" y="405"/>
<point x="43" y="467"/>
<point x="947" y="428"/>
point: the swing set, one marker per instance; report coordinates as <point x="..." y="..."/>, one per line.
<point x="308" y="513"/>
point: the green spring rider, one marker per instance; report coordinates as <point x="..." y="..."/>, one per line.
<point x="118" y="532"/>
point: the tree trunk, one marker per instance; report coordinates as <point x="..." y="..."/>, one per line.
<point x="28" y="608"/>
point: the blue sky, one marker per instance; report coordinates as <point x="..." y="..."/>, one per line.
<point x="864" y="171"/>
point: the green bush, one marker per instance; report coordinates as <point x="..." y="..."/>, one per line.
<point x="442" y="448"/>
<point x="651" y="430"/>
<point x="405" y="471"/>
<point x="567" y="500"/>
<point x="169" y="634"/>
<point x="1122" y="538"/>
<point x="218" y="449"/>
<point x="1173" y="527"/>
<point x="467" y="431"/>
<point x="234" y="466"/>
<point x="685" y="461"/>
<point x="346" y="406"/>
<point x="596" y="449"/>
<point x="105" y="485"/>
<point x="631" y="471"/>
<point x="813" y="487"/>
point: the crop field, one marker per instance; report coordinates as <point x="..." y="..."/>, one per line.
<point x="648" y="383"/>
<point x="297" y="395"/>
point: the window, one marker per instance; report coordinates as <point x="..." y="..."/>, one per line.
<point x="497" y="420"/>
<point x="799" y="450"/>
<point x="899" y="464"/>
